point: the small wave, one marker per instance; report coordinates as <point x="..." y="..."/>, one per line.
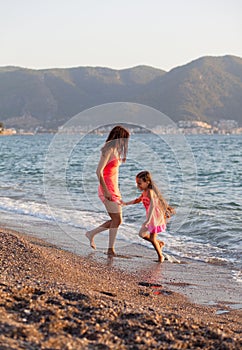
<point x="24" y="208"/>
<point x="217" y="261"/>
<point x="237" y="276"/>
<point x="74" y="218"/>
<point x="184" y="246"/>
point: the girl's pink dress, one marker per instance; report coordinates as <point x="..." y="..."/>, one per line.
<point x="157" y="223"/>
<point x="110" y="174"/>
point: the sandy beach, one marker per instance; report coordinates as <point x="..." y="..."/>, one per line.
<point x="55" y="299"/>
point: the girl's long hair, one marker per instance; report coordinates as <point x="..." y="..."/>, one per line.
<point x="165" y="207"/>
<point x="118" y="138"/>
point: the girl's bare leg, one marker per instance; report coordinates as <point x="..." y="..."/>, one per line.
<point x="156" y="245"/>
<point x="162" y="244"/>
<point x="152" y="238"/>
<point x="91" y="234"/>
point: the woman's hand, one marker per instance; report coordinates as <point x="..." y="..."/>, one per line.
<point x="108" y="195"/>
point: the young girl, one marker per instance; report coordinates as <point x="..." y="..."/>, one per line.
<point x="157" y="211"/>
<point x="113" y="153"/>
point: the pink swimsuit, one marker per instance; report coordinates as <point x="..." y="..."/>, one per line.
<point x="110" y="175"/>
<point x="157" y="223"/>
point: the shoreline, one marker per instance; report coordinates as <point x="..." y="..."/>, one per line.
<point x="203" y="283"/>
<point x="53" y="298"/>
<point x="206" y="283"/>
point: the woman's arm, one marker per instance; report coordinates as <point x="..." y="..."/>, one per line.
<point x="104" y="158"/>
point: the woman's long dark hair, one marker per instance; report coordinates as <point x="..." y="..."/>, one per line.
<point x="118" y="137"/>
<point x="166" y="208"/>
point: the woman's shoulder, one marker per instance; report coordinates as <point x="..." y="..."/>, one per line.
<point x="107" y="153"/>
<point x="109" y="158"/>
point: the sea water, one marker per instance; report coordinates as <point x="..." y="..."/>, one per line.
<point x="49" y="186"/>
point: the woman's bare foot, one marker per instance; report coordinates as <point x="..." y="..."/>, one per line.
<point x="91" y="240"/>
<point x="111" y="252"/>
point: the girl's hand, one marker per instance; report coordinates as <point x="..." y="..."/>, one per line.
<point x="122" y="203"/>
<point x="134" y="201"/>
<point x="145" y="224"/>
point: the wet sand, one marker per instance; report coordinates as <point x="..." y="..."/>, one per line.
<point x="54" y="299"/>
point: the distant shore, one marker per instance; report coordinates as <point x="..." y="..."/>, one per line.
<point x="51" y="298"/>
<point x="185" y="127"/>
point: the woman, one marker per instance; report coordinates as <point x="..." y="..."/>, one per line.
<point x="113" y="153"/>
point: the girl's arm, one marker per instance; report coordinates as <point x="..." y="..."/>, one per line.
<point x="134" y="201"/>
<point x="104" y="158"/>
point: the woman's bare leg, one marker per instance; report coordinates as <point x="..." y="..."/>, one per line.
<point x="115" y="212"/>
<point x="92" y="233"/>
<point x="116" y="220"/>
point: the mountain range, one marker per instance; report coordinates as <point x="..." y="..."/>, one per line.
<point x="207" y="89"/>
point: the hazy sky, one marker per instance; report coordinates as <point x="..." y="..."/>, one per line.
<point x="117" y="33"/>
